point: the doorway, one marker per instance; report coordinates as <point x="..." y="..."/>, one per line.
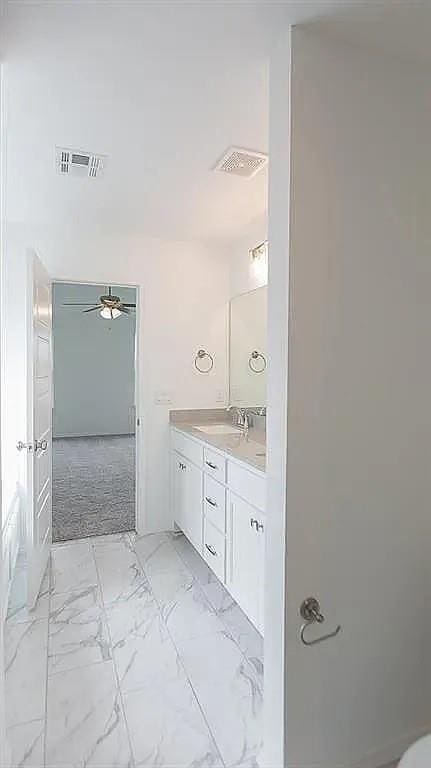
<point x="94" y="413"/>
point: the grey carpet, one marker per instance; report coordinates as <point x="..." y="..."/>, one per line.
<point x="93" y="486"/>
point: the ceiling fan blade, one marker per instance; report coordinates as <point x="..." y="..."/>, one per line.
<point x="127" y="305"/>
<point x="93" y="309"/>
<point x="124" y="309"/>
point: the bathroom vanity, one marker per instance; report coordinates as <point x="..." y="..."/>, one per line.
<point x="218" y="469"/>
<point x="218" y="501"/>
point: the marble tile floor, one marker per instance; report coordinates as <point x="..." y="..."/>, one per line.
<point x="135" y="656"/>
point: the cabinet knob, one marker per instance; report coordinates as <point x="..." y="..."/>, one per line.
<point x="256" y="524"/>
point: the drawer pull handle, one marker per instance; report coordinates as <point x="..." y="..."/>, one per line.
<point x="211" y="550"/>
<point x="211" y="465"/>
<point x="256" y="524"/>
<point x="211" y="501"/>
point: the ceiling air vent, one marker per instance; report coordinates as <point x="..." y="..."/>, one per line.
<point x="242" y="162"/>
<point x="71" y="162"/>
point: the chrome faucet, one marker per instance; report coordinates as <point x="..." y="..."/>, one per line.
<point x="241" y="418"/>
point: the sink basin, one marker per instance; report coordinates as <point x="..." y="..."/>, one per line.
<point x="218" y="429"/>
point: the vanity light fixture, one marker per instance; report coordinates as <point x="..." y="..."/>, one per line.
<point x="259" y="262"/>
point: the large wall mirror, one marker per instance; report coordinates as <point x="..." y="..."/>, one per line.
<point x="248" y="349"/>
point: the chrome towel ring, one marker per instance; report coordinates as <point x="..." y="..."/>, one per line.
<point x="200" y="365"/>
<point x="254" y="365"/>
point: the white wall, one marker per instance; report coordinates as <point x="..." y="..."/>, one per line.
<point x="13" y="401"/>
<point x="94" y="365"/>
<point x="359" y="424"/>
<point x="184" y="291"/>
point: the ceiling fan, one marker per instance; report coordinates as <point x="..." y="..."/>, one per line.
<point x="110" y="306"/>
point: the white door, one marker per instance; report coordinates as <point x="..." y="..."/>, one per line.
<point x="247" y="551"/>
<point x="39" y="442"/>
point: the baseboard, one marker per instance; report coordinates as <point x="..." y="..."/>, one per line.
<point x="103" y="434"/>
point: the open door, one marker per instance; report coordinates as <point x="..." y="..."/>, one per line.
<point x="39" y="420"/>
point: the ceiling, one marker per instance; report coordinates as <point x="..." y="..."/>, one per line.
<point x="162" y="88"/>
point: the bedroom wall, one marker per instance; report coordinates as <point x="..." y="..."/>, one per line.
<point x="94" y="365"/>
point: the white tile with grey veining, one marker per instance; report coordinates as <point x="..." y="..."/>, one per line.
<point x="85" y="721"/>
<point x="229" y="694"/>
<point x="193" y="561"/>
<point x="184" y="607"/>
<point x="238" y="625"/>
<point x="78" y="633"/>
<point x="26" y="743"/>
<point x="157" y="553"/>
<point x="18" y="610"/>
<point x="73" y="567"/>
<point x="120" y="573"/>
<point x="143" y="650"/>
<point x="173" y="732"/>
<point x="25" y="670"/>
<point x="112" y="539"/>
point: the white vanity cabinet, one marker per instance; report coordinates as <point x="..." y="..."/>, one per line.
<point x="247" y="552"/>
<point x="218" y="502"/>
<point x="188" y="499"/>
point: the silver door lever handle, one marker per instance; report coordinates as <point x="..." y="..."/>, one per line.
<point x="20" y="446"/>
<point x="310" y="611"/>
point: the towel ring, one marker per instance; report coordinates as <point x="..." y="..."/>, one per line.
<point x="257" y="367"/>
<point x="201" y="354"/>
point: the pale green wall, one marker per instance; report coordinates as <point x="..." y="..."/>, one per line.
<point x="93" y="365"/>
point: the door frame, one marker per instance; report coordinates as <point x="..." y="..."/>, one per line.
<point x="275" y="753"/>
<point x="140" y="517"/>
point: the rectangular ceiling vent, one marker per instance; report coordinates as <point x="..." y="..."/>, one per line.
<point x="242" y="162"/>
<point x="71" y="162"/>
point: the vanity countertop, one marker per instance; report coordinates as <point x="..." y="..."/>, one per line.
<point x="251" y="449"/>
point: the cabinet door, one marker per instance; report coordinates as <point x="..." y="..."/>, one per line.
<point x="193" y="504"/>
<point x="246" y="561"/>
<point x="187" y="497"/>
<point x="178" y="489"/>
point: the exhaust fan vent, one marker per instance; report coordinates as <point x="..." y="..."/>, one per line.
<point x="72" y="162"/>
<point x="242" y="162"/>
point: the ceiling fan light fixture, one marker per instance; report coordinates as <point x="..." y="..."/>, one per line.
<point x="110" y="314"/>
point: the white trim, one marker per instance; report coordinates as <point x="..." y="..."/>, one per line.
<point x="4" y="751"/>
<point x="140" y="465"/>
<point x="277" y="388"/>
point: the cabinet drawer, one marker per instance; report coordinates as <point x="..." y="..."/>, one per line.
<point x="215" y="464"/>
<point x="215" y="502"/>
<point x="214" y="549"/>
<point x="187" y="447"/>
<point x="248" y="485"/>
